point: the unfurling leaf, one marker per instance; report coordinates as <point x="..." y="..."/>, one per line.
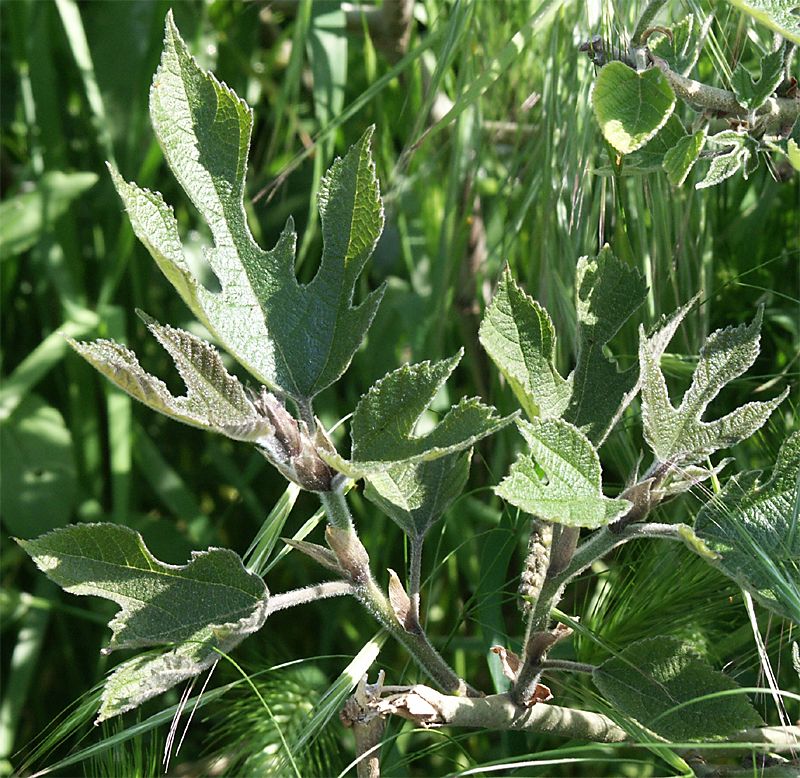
<point x="205" y="607"/>
<point x="657" y="680"/>
<point x="752" y="94"/>
<point x="678" y="435"/>
<point x="631" y="107"/>
<point x="416" y="495"/>
<point x="518" y="335"/>
<point x="559" y="480"/>
<point x="682" y="51"/>
<point x="295" y="339"/>
<point x="737" y="150"/>
<point x="755" y="528"/>
<point x="383" y="424"/>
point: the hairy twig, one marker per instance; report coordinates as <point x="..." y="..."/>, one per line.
<point x="321" y="591"/>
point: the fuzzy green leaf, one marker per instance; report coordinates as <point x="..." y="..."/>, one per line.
<point x="677" y="435"/>
<point x="560" y="478"/>
<point x="631" y="107"/>
<point x="519" y="336"/>
<point x="755" y="528"/>
<point x="607" y="293"/>
<point x="296" y="339"/>
<point x="383" y="424"/>
<point x="650" y="157"/>
<point x="752" y="94"/>
<point x="215" y="399"/>
<point x="735" y="153"/>
<point x="679" y="160"/>
<point x="210" y="604"/>
<point x="682" y="52"/>
<point x="650" y="678"/>
<point x="414" y="496"/>
<point x="779" y="15"/>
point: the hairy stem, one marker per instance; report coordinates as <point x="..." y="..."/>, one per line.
<point x="569" y="666"/>
<point x="354" y="560"/>
<point x="415" y="575"/>
<point x="321" y="591"/>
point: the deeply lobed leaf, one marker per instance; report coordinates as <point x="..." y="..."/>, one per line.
<point x="559" y="479"/>
<point x="296" y="339"/>
<point x="208" y="605"/>
<point x="752" y="94"/>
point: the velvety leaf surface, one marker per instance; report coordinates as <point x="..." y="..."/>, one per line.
<point x="297" y="339"/>
<point x="735" y="153"/>
<point x="650" y="157"/>
<point x="519" y="336"/>
<point x="751" y="93"/>
<point x="755" y="527"/>
<point x="682" y="52"/>
<point x="678" y="435"/>
<point x="680" y="159"/>
<point x="382" y="429"/>
<point x="210" y="603"/>
<point x="649" y="678"/>
<point x="631" y="107"/>
<point x="559" y="479"/>
<point x="415" y="496"/>
<point x="780" y="15"/>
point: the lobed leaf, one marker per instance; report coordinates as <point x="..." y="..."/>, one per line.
<point x="752" y="94"/>
<point x="680" y="159"/>
<point x="383" y="424"/>
<point x="683" y="50"/>
<point x="678" y="435"/>
<point x="296" y="339"/>
<point x="737" y="152"/>
<point x="559" y="479"/>
<point x="415" y="496"/>
<point x="519" y="336"/>
<point x="208" y="605"/>
<point x="629" y="106"/>
<point x="657" y="680"/>
<point x="755" y="528"/>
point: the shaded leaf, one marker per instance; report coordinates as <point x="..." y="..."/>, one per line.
<point x="519" y="336"/>
<point x="755" y="528"/>
<point x="752" y="94"/>
<point x="37" y="463"/>
<point x="382" y="429"/>
<point x="678" y="435"/>
<point x="414" y="496"/>
<point x="631" y="107"/>
<point x="783" y="16"/>
<point x="650" y="157"/>
<point x="296" y="339"/>
<point x="650" y="678"/>
<point x="559" y="479"/>
<point x="682" y="52"/>
<point x="209" y="605"/>
<point x="680" y="159"/>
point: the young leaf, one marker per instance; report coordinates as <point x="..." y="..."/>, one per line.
<point x="650" y="157"/>
<point x="519" y="336"/>
<point x="215" y="399"/>
<point x="677" y="435"/>
<point x="383" y="424"/>
<point x="755" y="527"/>
<point x="656" y="681"/>
<point x="631" y="107"/>
<point x="559" y="479"/>
<point x="751" y="94"/>
<point x="607" y="292"/>
<point x="296" y="339"/>
<point x="210" y="603"/>
<point x="736" y="152"/>
<point x="683" y="50"/>
<point x="679" y="160"/>
<point x="414" y="496"/>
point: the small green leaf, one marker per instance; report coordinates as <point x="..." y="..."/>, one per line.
<point x="678" y="435"/>
<point x="650" y="157"/>
<point x="37" y="463"/>
<point x="215" y="399"/>
<point x="755" y="528"/>
<point x="209" y="605"/>
<point x="25" y="217"/>
<point x="656" y="681"/>
<point x="752" y="94"/>
<point x="296" y="339"/>
<point x="783" y="16"/>
<point x="559" y="479"/>
<point x="383" y="424"/>
<point x="631" y="107"/>
<point x="607" y="293"/>
<point x="682" y="52"/>
<point x="414" y="496"/>
<point x="680" y="159"/>
<point x="519" y="336"/>
<point x="736" y="152"/>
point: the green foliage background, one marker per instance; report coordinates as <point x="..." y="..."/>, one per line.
<point x="516" y="173"/>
